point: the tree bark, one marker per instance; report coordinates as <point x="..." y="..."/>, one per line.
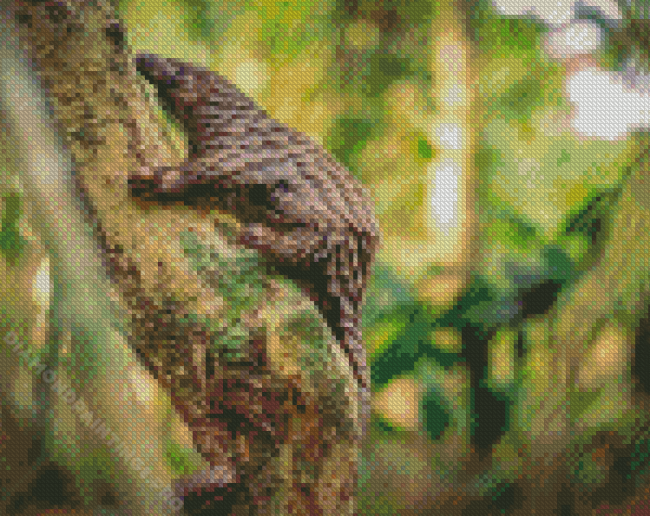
<point x="250" y="364"/>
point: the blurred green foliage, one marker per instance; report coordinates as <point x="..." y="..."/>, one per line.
<point x="11" y="241"/>
<point x="334" y="70"/>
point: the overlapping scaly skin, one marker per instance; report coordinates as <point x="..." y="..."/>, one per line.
<point x="300" y="207"/>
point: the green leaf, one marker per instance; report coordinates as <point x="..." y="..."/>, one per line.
<point x="199" y="19"/>
<point x="425" y="151"/>
<point x="447" y="405"/>
<point x="503" y="35"/>
<point x="436" y="417"/>
<point x="384" y="69"/>
<point x="388" y="295"/>
<point x="349" y="136"/>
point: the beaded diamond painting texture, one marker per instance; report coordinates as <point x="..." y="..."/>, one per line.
<point x="364" y="257"/>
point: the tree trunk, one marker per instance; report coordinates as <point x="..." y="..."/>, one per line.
<point x="254" y="372"/>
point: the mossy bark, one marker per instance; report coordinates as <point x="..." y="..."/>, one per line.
<point x="250" y="363"/>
